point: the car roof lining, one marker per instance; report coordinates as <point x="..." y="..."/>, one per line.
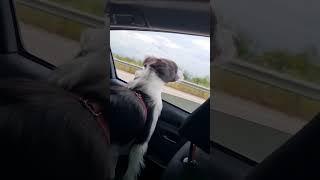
<point x="160" y="16"/>
<point x="199" y="5"/>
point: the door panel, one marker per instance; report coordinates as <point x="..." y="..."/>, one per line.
<point x="166" y="140"/>
<point x="15" y="65"/>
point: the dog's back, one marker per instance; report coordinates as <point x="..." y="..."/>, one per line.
<point x="129" y="117"/>
<point x="45" y="133"/>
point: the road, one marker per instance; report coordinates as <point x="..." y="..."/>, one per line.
<point x="243" y="126"/>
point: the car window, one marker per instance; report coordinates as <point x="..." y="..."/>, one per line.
<point x="190" y="52"/>
<point x="267" y="76"/>
<point x="49" y="30"/>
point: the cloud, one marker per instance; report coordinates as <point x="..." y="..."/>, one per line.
<point x="143" y="37"/>
<point x="189" y="52"/>
<point x="167" y="42"/>
<point x="202" y="43"/>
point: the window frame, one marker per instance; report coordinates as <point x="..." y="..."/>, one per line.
<point x="20" y="42"/>
<point x="119" y="28"/>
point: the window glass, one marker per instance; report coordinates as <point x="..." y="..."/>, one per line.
<point x="191" y="53"/>
<point x="51" y="36"/>
<point x="267" y="76"/>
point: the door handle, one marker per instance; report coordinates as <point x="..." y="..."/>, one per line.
<point x="169" y="139"/>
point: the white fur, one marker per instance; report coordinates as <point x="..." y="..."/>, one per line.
<point x="152" y="85"/>
<point x="136" y="161"/>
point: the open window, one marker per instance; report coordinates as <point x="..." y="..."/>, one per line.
<point x="190" y="52"/>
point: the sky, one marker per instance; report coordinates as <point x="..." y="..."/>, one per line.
<point x="191" y="53"/>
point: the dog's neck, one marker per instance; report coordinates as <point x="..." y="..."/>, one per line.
<point x="149" y="84"/>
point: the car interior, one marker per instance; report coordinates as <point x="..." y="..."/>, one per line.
<point x="181" y="147"/>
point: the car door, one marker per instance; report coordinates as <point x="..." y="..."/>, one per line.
<point x="39" y="45"/>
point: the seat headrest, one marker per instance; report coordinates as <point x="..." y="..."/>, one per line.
<point x="197" y="127"/>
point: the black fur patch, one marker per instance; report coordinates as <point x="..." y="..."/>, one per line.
<point x="165" y="69"/>
<point x="127" y="115"/>
<point x="45" y="133"/>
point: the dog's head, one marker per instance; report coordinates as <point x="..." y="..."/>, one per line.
<point x="165" y="69"/>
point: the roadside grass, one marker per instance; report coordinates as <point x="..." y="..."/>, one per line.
<point x="59" y="25"/>
<point x="296" y="65"/>
<point x="50" y="23"/>
<point x="95" y="7"/>
<point x="264" y="94"/>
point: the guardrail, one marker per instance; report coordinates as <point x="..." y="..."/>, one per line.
<point x="190" y="84"/>
<point x="273" y="78"/>
<point x="245" y="69"/>
<point x="65" y="12"/>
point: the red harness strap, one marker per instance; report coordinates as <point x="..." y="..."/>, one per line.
<point x="143" y="104"/>
<point x="96" y="111"/>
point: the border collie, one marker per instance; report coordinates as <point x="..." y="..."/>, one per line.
<point x="147" y="88"/>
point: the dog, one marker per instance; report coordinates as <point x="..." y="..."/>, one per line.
<point x="146" y="88"/>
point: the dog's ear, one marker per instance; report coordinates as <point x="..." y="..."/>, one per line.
<point x="149" y="60"/>
<point x="165" y="69"/>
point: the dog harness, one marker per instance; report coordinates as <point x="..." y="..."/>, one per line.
<point x="96" y="110"/>
<point x="145" y="110"/>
